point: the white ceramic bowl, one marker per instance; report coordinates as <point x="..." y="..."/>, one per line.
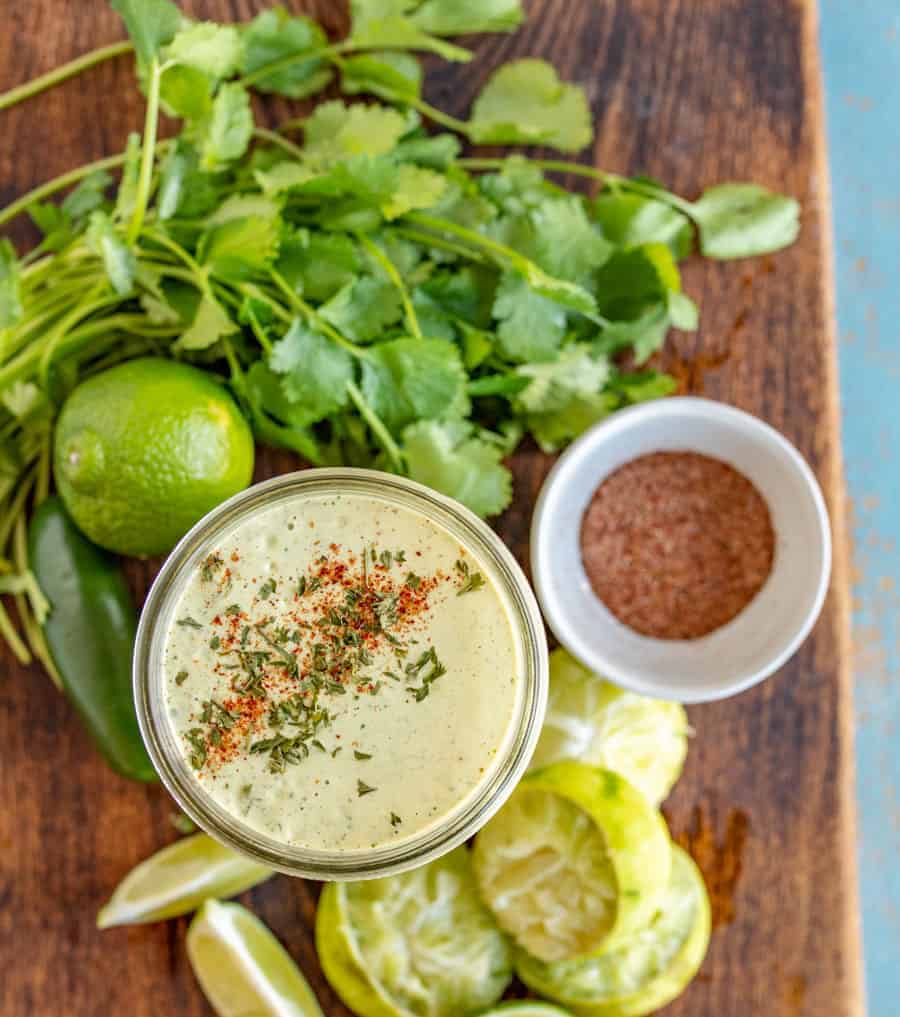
<point x="765" y="634"/>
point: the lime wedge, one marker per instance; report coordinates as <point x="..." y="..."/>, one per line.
<point x="530" y="1008"/>
<point x="645" y="973"/>
<point x="177" y="880"/>
<point x="243" y="969"/>
<point x="420" y="943"/>
<point x="590" y="719"/>
<point x="574" y="862"/>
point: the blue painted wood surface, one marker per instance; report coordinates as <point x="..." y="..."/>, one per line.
<point x="861" y="56"/>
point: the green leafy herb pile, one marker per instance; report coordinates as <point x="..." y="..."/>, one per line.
<point x="370" y="295"/>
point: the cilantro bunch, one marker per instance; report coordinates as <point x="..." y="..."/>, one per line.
<point x="370" y="295"/>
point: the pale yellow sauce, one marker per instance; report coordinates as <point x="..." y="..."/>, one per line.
<point x="427" y="757"/>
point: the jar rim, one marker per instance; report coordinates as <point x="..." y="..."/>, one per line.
<point x="460" y="823"/>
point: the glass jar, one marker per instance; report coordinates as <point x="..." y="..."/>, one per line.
<point x="473" y="811"/>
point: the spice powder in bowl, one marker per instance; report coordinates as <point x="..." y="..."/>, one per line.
<point x="677" y="544"/>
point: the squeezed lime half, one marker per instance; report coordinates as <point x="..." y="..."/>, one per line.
<point x="420" y="943"/>
<point x="591" y="720"/>
<point x="576" y="860"/>
<point x="648" y="971"/>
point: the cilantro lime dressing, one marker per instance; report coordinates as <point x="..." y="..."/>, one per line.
<point x="340" y="672"/>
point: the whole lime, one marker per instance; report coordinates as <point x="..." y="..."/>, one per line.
<point x="145" y="449"/>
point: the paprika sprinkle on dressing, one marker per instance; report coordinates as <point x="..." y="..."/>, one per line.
<point x="677" y="544"/>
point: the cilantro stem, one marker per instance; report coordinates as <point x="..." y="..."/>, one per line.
<point x="314" y="317"/>
<point x="13" y="640"/>
<point x="274" y="66"/>
<point x="395" y="278"/>
<point x="148" y="154"/>
<point x="602" y="176"/>
<point x="65" y="180"/>
<point x="274" y="138"/>
<point x="377" y="427"/>
<point x="86" y="306"/>
<point x="62" y="73"/>
<point x="430" y="240"/>
<point x="58" y="184"/>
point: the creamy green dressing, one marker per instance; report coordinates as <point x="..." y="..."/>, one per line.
<point x="341" y="673"/>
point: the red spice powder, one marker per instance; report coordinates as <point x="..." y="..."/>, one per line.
<point x="676" y="544"/>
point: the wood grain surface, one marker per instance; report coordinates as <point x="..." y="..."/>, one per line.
<point x="692" y="92"/>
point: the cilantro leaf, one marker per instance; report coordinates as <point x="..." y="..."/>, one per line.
<point x="275" y="420"/>
<point x="274" y="36"/>
<point x="10" y="295"/>
<point x="454" y="458"/>
<point x="629" y="220"/>
<point x="118" y="260"/>
<point x="397" y="32"/>
<point x="318" y="264"/>
<point x="683" y="311"/>
<point x="211" y="323"/>
<point x="335" y="131"/>
<point x="186" y="92"/>
<point x="391" y="76"/>
<point x="240" y="248"/>
<point x="554" y="429"/>
<point x="531" y="326"/>
<point x="184" y="189"/>
<point x="742" y="220"/>
<point x="524" y="102"/>
<point x="566" y="243"/>
<point x="239" y="206"/>
<point x="214" y="50"/>
<point x="415" y="188"/>
<point x="411" y="379"/>
<point x="229" y="127"/>
<point x="644" y="334"/>
<point x="641" y="386"/>
<point x="87" y="196"/>
<point x="635" y="280"/>
<point x="363" y="308"/>
<point x="436" y="152"/>
<point x="315" y="372"/>
<point x="151" y="24"/>
<point x="459" y="17"/>
<point x="577" y="371"/>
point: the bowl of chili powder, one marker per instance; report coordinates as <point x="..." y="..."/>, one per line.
<point x="682" y="549"/>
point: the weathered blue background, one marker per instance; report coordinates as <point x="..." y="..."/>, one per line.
<point x="861" y="53"/>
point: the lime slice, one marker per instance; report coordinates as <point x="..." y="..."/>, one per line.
<point x="243" y="969"/>
<point x="590" y="719"/>
<point x="529" y="1008"/>
<point x="647" y="972"/>
<point x="177" y="880"/>
<point x="574" y="862"/>
<point x="420" y="943"/>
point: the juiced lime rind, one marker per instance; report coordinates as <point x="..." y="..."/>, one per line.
<point x="243" y="969"/>
<point x="649" y="971"/>
<point x="591" y="720"/>
<point x="528" y="1008"/>
<point x="420" y="944"/>
<point x="574" y="862"/>
<point x="178" y="879"/>
<point x="544" y="870"/>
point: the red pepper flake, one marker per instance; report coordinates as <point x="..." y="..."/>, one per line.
<point x="676" y="544"/>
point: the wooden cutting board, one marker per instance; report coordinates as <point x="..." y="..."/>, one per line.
<point x="692" y="92"/>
